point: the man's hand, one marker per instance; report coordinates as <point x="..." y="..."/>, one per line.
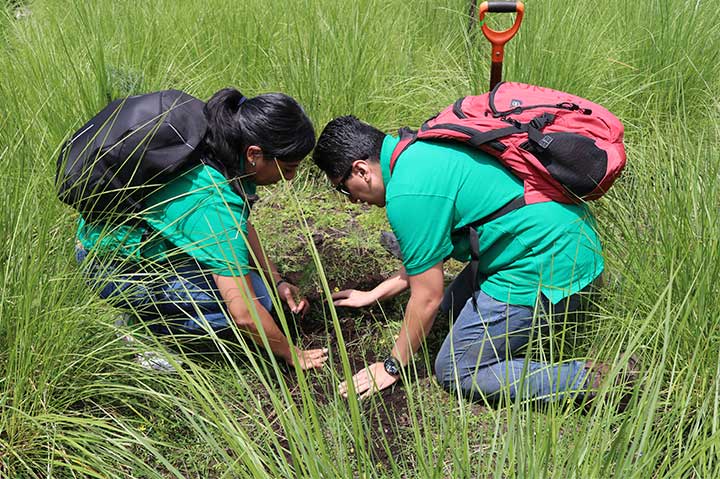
<point x="310" y="358"/>
<point x="288" y="292"/>
<point x="353" y="298"/>
<point x="371" y="379"/>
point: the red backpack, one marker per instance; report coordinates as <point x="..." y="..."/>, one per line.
<point x="563" y="147"/>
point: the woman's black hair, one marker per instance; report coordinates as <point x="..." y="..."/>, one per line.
<point x="273" y="121"/>
<point x="344" y="140"/>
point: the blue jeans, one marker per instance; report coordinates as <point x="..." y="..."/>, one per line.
<point x="482" y="354"/>
<point x="179" y="296"/>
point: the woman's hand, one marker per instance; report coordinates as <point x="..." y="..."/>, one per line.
<point x="288" y="292"/>
<point x="353" y="298"/>
<point x="309" y="358"/>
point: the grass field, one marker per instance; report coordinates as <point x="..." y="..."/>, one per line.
<point x="73" y="403"/>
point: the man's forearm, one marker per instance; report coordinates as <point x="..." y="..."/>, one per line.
<point x="419" y="317"/>
<point x="392" y="286"/>
<point x="426" y="295"/>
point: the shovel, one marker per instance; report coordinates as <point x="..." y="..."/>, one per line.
<point x="499" y="39"/>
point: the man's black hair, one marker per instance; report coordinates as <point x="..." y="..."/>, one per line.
<point x="344" y="140"/>
<point x="273" y="121"/>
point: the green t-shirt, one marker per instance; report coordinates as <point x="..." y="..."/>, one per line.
<point x="196" y="214"/>
<point x="437" y="188"/>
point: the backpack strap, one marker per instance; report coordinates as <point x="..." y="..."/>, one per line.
<point x="474" y="241"/>
<point x="407" y="138"/>
<point x="478" y="138"/>
<point x="510" y="206"/>
<point x="475" y="137"/>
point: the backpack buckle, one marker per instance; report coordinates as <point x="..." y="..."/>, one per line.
<point x="512" y="121"/>
<point x="540" y="122"/>
<point x="545" y="141"/>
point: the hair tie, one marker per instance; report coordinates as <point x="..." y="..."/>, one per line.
<point x="242" y="100"/>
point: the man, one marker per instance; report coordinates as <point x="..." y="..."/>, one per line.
<point x="533" y="262"/>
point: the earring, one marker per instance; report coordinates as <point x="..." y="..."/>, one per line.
<point x="252" y="163"/>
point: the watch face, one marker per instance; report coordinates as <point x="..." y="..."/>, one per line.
<point x="392" y="366"/>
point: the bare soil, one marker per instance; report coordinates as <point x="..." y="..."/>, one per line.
<point x="387" y="413"/>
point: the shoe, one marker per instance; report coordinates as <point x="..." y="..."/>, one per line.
<point x="155" y="362"/>
<point x="121" y="324"/>
<point x="150" y="360"/>
<point x="624" y="382"/>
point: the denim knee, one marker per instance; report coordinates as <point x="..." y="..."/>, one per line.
<point x="484" y="381"/>
<point x="444" y="371"/>
<point x="261" y="291"/>
<point x="489" y="381"/>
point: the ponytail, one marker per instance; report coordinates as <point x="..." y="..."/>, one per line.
<point x="224" y="136"/>
<point x="273" y="121"/>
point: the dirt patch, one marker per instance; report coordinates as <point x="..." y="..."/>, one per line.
<point x="387" y="415"/>
<point x="344" y="268"/>
<point x="347" y="265"/>
<point x="390" y="425"/>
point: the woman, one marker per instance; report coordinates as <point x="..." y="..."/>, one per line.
<point x="195" y="261"/>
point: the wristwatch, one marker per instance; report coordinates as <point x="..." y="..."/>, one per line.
<point x="392" y="366"/>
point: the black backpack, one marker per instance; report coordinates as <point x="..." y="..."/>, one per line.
<point x="128" y="150"/>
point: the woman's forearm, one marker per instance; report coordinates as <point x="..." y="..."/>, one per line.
<point x="250" y="316"/>
<point x="263" y="323"/>
<point x="263" y="262"/>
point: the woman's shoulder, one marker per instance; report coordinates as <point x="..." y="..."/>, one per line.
<point x="203" y="175"/>
<point x="202" y="182"/>
<point x="193" y="200"/>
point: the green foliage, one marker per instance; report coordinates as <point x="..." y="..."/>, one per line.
<point x="73" y="403"/>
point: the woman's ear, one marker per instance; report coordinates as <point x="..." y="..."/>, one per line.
<point x="252" y="154"/>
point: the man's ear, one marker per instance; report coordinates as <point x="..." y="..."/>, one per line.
<point x="362" y="168"/>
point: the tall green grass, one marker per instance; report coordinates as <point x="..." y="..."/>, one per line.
<point x="74" y="404"/>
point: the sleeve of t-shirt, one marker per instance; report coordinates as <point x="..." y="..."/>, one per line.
<point x="422" y="225"/>
<point x="217" y="236"/>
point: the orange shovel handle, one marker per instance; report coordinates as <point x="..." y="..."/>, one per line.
<point x="499" y="39"/>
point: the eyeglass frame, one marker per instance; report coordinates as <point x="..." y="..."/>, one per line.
<point x="340" y="187"/>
